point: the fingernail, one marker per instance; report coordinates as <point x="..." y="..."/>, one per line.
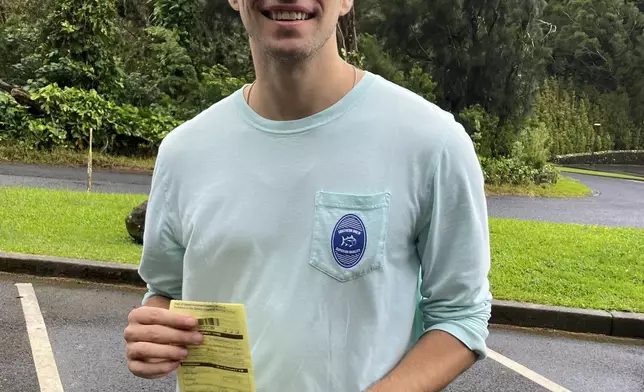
<point x="184" y="354"/>
<point x="197" y="338"/>
<point x="191" y="322"/>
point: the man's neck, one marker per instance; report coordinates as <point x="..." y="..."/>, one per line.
<point x="284" y="92"/>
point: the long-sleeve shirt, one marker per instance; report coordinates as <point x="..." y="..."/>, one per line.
<point x="327" y="229"/>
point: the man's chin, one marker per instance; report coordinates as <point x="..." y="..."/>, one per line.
<point x="289" y="54"/>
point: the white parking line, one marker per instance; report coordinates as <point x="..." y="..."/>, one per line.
<point x="46" y="369"/>
<point x="525" y="372"/>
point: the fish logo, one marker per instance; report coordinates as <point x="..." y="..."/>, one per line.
<point x="349" y="241"/>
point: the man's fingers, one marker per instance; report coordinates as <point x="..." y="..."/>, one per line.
<point x="152" y="370"/>
<point x="157" y="316"/>
<point x="157" y="340"/>
<point x="161" y="335"/>
<point x="143" y="351"/>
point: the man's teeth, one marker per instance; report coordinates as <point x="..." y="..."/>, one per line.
<point x="289" y="16"/>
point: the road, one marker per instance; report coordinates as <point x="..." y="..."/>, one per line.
<point x="616" y="202"/>
<point x="85" y="323"/>
<point x="72" y="179"/>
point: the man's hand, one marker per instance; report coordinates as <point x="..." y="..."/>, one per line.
<point x="157" y="339"/>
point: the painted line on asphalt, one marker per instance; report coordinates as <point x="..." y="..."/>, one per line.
<point x="525" y="372"/>
<point x="46" y="369"/>
<point x="636" y="181"/>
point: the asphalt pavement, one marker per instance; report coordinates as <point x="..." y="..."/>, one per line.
<point x="49" y="177"/>
<point x="85" y="325"/>
<point x="615" y="202"/>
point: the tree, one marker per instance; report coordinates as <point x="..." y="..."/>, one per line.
<point x="78" y="41"/>
<point x="599" y="44"/>
<point x="347" y="34"/>
<point x="488" y="53"/>
<point x="210" y="30"/>
<point x="595" y="41"/>
<point x="181" y="16"/>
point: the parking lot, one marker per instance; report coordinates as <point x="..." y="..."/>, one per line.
<point x="84" y="325"/>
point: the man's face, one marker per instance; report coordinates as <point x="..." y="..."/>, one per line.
<point x="291" y="30"/>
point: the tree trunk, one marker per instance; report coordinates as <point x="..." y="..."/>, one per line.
<point x="5" y="86"/>
<point x="347" y="34"/>
<point x="3" y="12"/>
<point x="22" y="97"/>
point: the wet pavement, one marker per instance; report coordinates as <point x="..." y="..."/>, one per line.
<point x="616" y="202"/>
<point x="85" y="324"/>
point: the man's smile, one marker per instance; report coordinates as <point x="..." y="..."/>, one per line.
<point x="288" y="14"/>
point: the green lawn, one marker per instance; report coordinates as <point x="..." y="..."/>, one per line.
<point x="565" y="187"/>
<point x="568" y="265"/>
<point x="600" y="173"/>
<point x="554" y="264"/>
<point x="67" y="224"/>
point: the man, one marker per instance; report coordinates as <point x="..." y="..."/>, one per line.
<point x="314" y="197"/>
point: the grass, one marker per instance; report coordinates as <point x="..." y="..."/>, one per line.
<point x="600" y="173"/>
<point x="13" y="152"/>
<point x="67" y="224"/>
<point x="554" y="264"/>
<point x="568" y="265"/>
<point x="565" y="187"/>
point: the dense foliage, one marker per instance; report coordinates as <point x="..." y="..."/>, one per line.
<point x="77" y="47"/>
<point x="69" y="114"/>
<point x="510" y="68"/>
<point x="529" y="79"/>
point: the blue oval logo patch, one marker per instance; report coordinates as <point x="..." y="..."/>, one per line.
<point x="349" y="241"/>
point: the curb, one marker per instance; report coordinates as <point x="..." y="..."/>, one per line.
<point x="600" y="322"/>
<point x="618" y="324"/>
<point x="47" y="266"/>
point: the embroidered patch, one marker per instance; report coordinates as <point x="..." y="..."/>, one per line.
<point x="349" y="241"/>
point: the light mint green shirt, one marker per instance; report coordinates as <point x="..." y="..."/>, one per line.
<point x="321" y="227"/>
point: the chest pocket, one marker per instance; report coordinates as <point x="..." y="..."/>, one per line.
<point x="349" y="234"/>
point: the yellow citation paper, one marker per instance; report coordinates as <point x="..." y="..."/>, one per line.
<point x="222" y="363"/>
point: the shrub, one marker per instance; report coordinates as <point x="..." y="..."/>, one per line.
<point x="547" y="174"/>
<point x="532" y="144"/>
<point x="627" y="157"/>
<point x="481" y="126"/>
<point x="70" y="113"/>
<point x="512" y="171"/>
<point x="218" y="83"/>
<point x="420" y="82"/>
<point x="12" y="116"/>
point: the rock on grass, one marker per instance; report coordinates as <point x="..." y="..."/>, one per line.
<point x="135" y="222"/>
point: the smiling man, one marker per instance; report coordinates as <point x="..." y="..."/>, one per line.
<point x="316" y="196"/>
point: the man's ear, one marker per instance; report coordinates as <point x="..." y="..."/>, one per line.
<point x="345" y="7"/>
<point x="234" y="4"/>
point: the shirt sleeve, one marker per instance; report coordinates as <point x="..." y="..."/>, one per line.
<point x="454" y="247"/>
<point x="162" y="258"/>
